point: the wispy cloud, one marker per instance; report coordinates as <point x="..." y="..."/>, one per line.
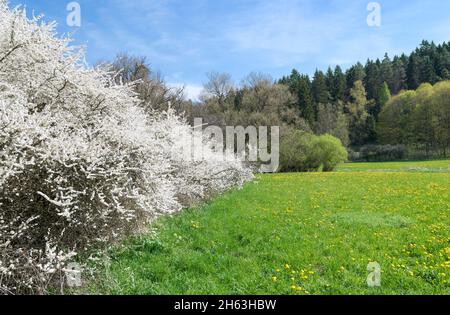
<point x="186" y="39"/>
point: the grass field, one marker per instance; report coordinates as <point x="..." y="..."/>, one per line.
<point x="301" y="234"/>
<point x="421" y="166"/>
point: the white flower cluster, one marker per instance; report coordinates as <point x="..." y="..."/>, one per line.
<point x="81" y="164"/>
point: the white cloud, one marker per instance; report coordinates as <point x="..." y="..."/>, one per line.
<point x="191" y="91"/>
<point x="286" y="31"/>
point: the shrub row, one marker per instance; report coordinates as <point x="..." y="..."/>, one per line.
<point x="81" y="164"/>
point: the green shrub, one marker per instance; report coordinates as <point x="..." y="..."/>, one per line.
<point x="295" y="147"/>
<point x="328" y="152"/>
<point x="383" y="153"/>
<point x="304" y="152"/>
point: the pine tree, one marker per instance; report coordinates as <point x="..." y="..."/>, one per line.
<point x="427" y="73"/>
<point x="386" y="71"/>
<point x="302" y="88"/>
<point x="355" y="73"/>
<point x="399" y="76"/>
<point x="330" y="81"/>
<point x="320" y="91"/>
<point x="340" y="84"/>
<point x="442" y="63"/>
<point x="372" y="81"/>
<point x="413" y="72"/>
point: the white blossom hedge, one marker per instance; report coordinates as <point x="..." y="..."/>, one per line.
<point x="81" y="164"/>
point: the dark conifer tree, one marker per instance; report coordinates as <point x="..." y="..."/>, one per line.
<point x="340" y="84"/>
<point x="320" y="91"/>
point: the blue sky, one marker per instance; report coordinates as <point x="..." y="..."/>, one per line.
<point x="185" y="39"/>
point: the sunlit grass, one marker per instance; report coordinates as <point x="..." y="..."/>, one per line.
<point x="418" y="166"/>
<point x="300" y="234"/>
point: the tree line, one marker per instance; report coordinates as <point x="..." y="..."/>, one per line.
<point x="345" y="104"/>
<point x="349" y="105"/>
<point x="419" y="119"/>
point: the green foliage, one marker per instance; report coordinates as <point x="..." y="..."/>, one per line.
<point x="304" y="152"/>
<point x="419" y="117"/>
<point x="372" y="80"/>
<point x="385" y="94"/>
<point x="399" y="77"/>
<point x="319" y="88"/>
<point x="395" y="117"/>
<point x="386" y="71"/>
<point x="295" y="152"/>
<point x="358" y="97"/>
<point x="331" y="120"/>
<point x="376" y="153"/>
<point x="361" y="124"/>
<point x="300" y="86"/>
<point x="355" y="73"/>
<point x="339" y="84"/>
<point x="328" y="152"/>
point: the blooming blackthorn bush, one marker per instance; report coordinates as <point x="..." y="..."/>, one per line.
<point x="81" y="164"/>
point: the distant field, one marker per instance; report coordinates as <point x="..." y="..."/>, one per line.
<point x="423" y="166"/>
<point x="301" y="234"/>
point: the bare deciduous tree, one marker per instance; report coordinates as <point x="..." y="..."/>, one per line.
<point x="256" y="79"/>
<point x="219" y="85"/>
<point x="150" y="86"/>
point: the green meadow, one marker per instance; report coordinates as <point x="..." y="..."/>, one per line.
<point x="306" y="233"/>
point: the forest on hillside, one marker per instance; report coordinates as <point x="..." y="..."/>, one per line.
<point x="355" y="106"/>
